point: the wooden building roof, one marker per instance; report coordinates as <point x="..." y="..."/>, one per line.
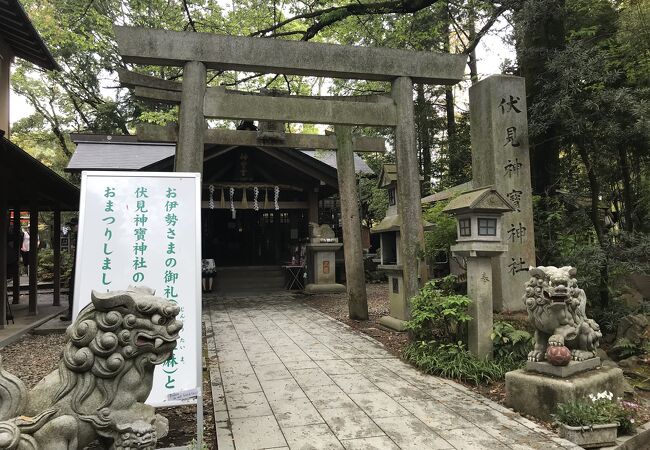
<point x="98" y="152"/>
<point x="29" y="180"/>
<point x="18" y="32"/>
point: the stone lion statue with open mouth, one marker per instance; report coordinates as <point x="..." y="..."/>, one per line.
<point x="556" y="308"/>
<point x="104" y="377"/>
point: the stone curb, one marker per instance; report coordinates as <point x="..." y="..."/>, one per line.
<point x="19" y="334"/>
<point x="640" y="441"/>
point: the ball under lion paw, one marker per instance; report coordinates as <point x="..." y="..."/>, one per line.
<point x="558" y="355"/>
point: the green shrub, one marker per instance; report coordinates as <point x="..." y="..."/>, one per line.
<point x="46" y="265"/>
<point x="509" y="341"/>
<point x="435" y="315"/>
<point x="456" y="362"/>
<point x="624" y="348"/>
<point x="608" y="318"/>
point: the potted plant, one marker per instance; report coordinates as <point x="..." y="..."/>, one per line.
<point x="595" y="422"/>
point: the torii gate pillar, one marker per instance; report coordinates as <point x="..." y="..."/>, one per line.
<point x="189" y="150"/>
<point x="408" y="188"/>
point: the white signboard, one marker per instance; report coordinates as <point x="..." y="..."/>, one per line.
<point x="143" y="229"/>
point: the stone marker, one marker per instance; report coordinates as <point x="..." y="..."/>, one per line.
<point x="103" y="379"/>
<point x="500" y="158"/>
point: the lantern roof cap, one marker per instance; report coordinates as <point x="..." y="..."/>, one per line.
<point x="483" y="199"/>
<point x="388" y="176"/>
<point x="394" y="223"/>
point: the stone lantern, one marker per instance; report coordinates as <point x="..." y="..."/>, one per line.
<point x="322" y="248"/>
<point x="389" y="235"/>
<point x="478" y="213"/>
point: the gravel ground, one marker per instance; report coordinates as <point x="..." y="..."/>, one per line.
<point x="30" y="365"/>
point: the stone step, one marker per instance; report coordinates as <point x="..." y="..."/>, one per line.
<point x="249" y="279"/>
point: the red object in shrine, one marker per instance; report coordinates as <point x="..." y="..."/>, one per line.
<point x="558" y="356"/>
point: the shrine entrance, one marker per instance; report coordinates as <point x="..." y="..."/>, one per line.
<point x="253" y="238"/>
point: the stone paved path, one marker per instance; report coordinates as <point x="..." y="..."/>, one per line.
<point x="286" y="376"/>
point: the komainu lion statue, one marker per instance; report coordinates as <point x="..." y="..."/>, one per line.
<point x="105" y="374"/>
<point x="556" y="308"/>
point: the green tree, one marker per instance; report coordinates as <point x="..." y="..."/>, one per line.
<point x="583" y="89"/>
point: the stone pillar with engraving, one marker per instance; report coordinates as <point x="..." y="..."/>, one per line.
<point x="500" y="158"/>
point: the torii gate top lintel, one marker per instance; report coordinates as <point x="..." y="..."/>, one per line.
<point x="196" y="52"/>
<point x="263" y="55"/>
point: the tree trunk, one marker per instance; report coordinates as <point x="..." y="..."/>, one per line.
<point x="449" y="104"/>
<point x="471" y="23"/>
<point x="546" y="35"/>
<point x="422" y="119"/>
<point x="594" y="188"/>
<point x="628" y="196"/>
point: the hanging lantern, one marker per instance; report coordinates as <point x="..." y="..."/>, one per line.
<point x="256" y="193"/>
<point x="244" y="199"/>
<point x="211" y="199"/>
<point x="276" y="191"/>
<point x="232" y="203"/>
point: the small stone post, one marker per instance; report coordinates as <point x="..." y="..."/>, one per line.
<point x="408" y="187"/>
<point x="479" y="289"/>
<point x="352" y="245"/>
<point x="500" y="158"/>
<point x="189" y="150"/>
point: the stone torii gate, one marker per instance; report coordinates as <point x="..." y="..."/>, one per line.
<point x="196" y="52"/>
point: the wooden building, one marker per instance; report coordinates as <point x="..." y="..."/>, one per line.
<point x="25" y="183"/>
<point x="262" y="235"/>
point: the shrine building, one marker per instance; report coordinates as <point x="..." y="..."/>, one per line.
<point x="257" y="200"/>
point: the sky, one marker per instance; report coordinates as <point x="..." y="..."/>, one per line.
<point x="490" y="53"/>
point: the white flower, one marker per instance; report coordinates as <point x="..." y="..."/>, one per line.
<point x="601" y="395"/>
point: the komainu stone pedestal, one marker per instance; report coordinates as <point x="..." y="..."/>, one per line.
<point x="572" y="368"/>
<point x="538" y="395"/>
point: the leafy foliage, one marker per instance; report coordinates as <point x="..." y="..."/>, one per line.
<point x="509" y="341"/>
<point x="435" y="314"/>
<point x="46" y="264"/>
<point x="438" y="322"/>
<point x="624" y="348"/>
<point x="374" y="201"/>
<point x="456" y="362"/>
<point x="443" y="235"/>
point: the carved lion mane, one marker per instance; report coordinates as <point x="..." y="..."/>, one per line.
<point x="556" y="308"/>
<point x="104" y="377"/>
<point x="116" y="332"/>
